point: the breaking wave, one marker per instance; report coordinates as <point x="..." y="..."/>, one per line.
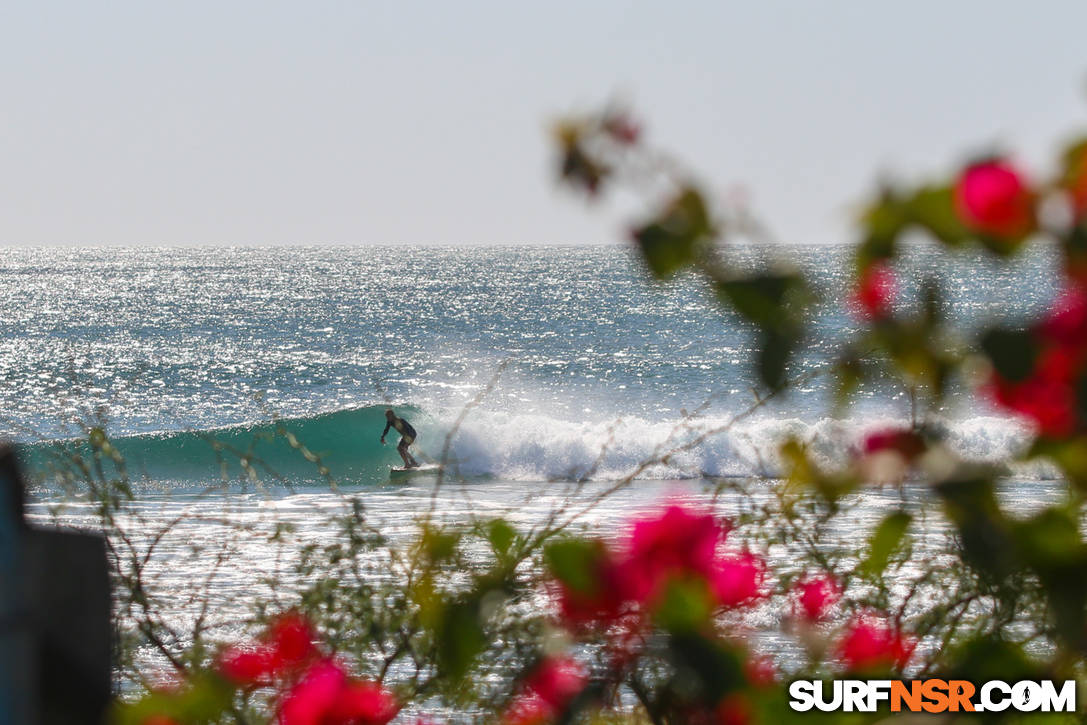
<point x="514" y="447"/>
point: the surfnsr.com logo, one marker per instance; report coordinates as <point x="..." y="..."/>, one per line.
<point x="933" y="695"/>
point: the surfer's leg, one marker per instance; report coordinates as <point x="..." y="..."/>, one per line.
<point x="402" y="449"/>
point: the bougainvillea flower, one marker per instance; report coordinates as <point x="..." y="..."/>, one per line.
<point x="556" y="680"/>
<point x="1048" y="396"/>
<point x="363" y="703"/>
<point x="1066" y="322"/>
<point x="605" y="600"/>
<point x="738" y="579"/>
<point x="678" y="542"/>
<point x="291" y="639"/>
<point x="325" y="696"/>
<point x="314" y="696"/>
<point x="622" y="128"/>
<point x="528" y="710"/>
<point x="248" y="665"/>
<point x="992" y="198"/>
<point x="906" y="443"/>
<point x="870" y="643"/>
<point x="816" y="595"/>
<point x="734" y="709"/>
<point x="286" y="646"/>
<point x="760" y="671"/>
<point x="159" y="720"/>
<point x="875" y="292"/>
<point x="547" y="692"/>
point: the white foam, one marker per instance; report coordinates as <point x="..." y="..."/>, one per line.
<point x="539" y="447"/>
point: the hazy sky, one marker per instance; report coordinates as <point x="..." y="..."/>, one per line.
<point x="234" y="121"/>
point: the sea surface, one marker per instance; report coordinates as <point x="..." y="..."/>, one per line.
<point x="578" y="347"/>
<point x="530" y="367"/>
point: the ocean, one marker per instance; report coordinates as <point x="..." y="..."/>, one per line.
<point x="539" y="366"/>
<point x="168" y="345"/>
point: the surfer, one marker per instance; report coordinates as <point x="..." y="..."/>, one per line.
<point x="407" y="437"/>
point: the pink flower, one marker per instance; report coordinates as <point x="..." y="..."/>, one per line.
<point x="761" y="671"/>
<point x="325" y="696"/>
<point x="621" y="128"/>
<point x="287" y="645"/>
<point x="556" y="680"/>
<point x="311" y="700"/>
<point x="991" y="198"/>
<point x="734" y="709"/>
<point x="875" y="293"/>
<point x="674" y="543"/>
<point x="816" y="595"/>
<point x="291" y="639"/>
<point x="1066" y="322"/>
<point x="738" y="579"/>
<point x="528" y="710"/>
<point x="547" y="692"/>
<point x="605" y="600"/>
<point x="248" y="666"/>
<point x="870" y="643"/>
<point x="363" y="703"/>
<point x="906" y="443"/>
<point x="1048" y="396"/>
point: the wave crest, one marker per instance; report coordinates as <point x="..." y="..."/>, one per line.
<point x="521" y="447"/>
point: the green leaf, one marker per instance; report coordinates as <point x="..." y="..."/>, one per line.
<point x="1051" y="544"/>
<point x="883" y="221"/>
<point x="670" y="242"/>
<point x="1012" y="352"/>
<point x="501" y="535"/>
<point x="439" y="546"/>
<point x="759" y="298"/>
<point x="970" y="503"/>
<point x="1074" y="245"/>
<point x="884" y="217"/>
<point x="933" y="208"/>
<point x="849" y="373"/>
<point x="577" y="166"/>
<point x="802" y="473"/>
<point x="1070" y="455"/>
<point x="710" y="669"/>
<point x="574" y="563"/>
<point x="1050" y="538"/>
<point x="685" y="606"/>
<point x="1074" y="158"/>
<point x="988" y="657"/>
<point x="774" y="302"/>
<point x="460" y="638"/>
<point x="885" y="540"/>
<point x="774" y="351"/>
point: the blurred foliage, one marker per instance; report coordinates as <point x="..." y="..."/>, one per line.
<point x="653" y="624"/>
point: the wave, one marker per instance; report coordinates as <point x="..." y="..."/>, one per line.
<point x="531" y="447"/>
<point x="344" y="441"/>
<point x="514" y="447"/>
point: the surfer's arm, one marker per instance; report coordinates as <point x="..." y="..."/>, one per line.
<point x="386" y="431"/>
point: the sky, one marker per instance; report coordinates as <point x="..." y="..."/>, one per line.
<point x="356" y="122"/>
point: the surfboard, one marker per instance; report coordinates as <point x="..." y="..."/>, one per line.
<point x="402" y="474"/>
